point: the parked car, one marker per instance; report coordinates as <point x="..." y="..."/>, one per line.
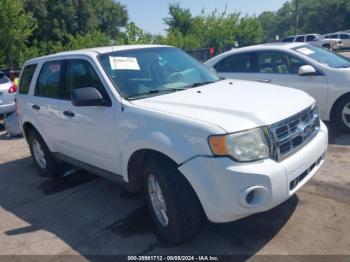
<point x="7" y="95"/>
<point x="344" y="36"/>
<point x="317" y="40"/>
<point x="323" y="74"/>
<point x="155" y="119"/>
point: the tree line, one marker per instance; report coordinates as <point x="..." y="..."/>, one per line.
<point x="30" y="28"/>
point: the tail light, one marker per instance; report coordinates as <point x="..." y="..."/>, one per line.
<point x="13" y="89"/>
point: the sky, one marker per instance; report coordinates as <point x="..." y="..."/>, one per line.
<point x="149" y="14"/>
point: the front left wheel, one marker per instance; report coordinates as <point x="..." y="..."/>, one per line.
<point x="173" y="204"/>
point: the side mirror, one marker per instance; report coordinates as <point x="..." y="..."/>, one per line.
<point x="88" y="96"/>
<point x="307" y="70"/>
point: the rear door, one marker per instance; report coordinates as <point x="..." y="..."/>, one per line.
<point x="237" y="66"/>
<point x="280" y="68"/>
<point x="45" y="104"/>
<point x="90" y="133"/>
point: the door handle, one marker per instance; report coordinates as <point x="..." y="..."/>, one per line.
<point x="68" y="114"/>
<point x="265" y="80"/>
<point x="36" y="107"/>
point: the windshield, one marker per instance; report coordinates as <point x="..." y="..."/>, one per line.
<point x="147" y="72"/>
<point x="323" y="56"/>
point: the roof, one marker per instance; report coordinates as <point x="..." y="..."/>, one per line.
<point x="97" y="50"/>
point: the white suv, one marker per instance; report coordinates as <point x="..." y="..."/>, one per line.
<point x="157" y="120"/>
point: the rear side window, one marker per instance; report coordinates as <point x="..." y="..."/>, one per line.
<point x="299" y="39"/>
<point x="311" y="38"/>
<point x="3" y="78"/>
<point x="241" y="63"/>
<point x="26" y="79"/>
<point x="288" y="40"/>
<point x="49" y="80"/>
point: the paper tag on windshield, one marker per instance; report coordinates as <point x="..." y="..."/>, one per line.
<point x="123" y="63"/>
<point x="305" y="51"/>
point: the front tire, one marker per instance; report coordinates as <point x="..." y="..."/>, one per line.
<point x="42" y="156"/>
<point x="342" y="113"/>
<point x="173" y="204"/>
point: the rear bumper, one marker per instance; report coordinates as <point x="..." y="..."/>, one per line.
<point x="7" y="108"/>
<point x="223" y="186"/>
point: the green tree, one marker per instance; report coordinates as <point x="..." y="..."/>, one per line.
<point x="16" y="27"/>
<point x="180" y="19"/>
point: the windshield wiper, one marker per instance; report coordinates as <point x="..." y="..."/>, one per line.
<point x="197" y="84"/>
<point x="157" y="91"/>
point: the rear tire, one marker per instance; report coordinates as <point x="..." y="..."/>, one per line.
<point x="177" y="200"/>
<point x="342" y="113"/>
<point x="42" y="156"/>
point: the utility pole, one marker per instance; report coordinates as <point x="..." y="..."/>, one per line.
<point x="296" y="16"/>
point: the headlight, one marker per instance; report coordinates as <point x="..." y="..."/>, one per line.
<point x="246" y="146"/>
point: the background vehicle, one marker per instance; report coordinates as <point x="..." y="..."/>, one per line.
<point x="7" y="95"/>
<point x="319" y="72"/>
<point x="317" y="40"/>
<point x="344" y="36"/>
<point x="157" y="120"/>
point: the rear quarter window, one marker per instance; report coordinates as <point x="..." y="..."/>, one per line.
<point x="26" y="79"/>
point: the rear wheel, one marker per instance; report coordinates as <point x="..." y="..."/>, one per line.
<point x="174" y="206"/>
<point x="342" y="113"/>
<point x="42" y="156"/>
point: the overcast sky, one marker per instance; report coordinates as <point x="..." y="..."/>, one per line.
<point x="148" y="14"/>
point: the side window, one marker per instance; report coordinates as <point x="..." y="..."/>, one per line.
<point x="26" y="79"/>
<point x="81" y="74"/>
<point x="310" y="38"/>
<point x="299" y="39"/>
<point x="334" y="36"/>
<point x="343" y="36"/>
<point x="327" y="36"/>
<point x="241" y="63"/>
<point x="288" y="40"/>
<point x="49" y="80"/>
<point x="278" y="63"/>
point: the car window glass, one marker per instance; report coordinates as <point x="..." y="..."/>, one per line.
<point x="310" y="38"/>
<point x="26" y="79"/>
<point x="327" y="36"/>
<point x="81" y="74"/>
<point x="3" y="78"/>
<point x="278" y="63"/>
<point x="288" y="39"/>
<point x="235" y="64"/>
<point x="343" y="36"/>
<point x="299" y="39"/>
<point x="49" y="80"/>
<point x="334" y="36"/>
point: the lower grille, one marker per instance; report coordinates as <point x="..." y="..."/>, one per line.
<point x="293" y="184"/>
<point x="293" y="133"/>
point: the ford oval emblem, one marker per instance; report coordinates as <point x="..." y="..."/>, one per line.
<point x="305" y="129"/>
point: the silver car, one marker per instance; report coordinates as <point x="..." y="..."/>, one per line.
<point x="7" y="95"/>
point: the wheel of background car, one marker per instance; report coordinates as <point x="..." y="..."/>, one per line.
<point x="174" y="206"/>
<point x="342" y="113"/>
<point x="174" y="77"/>
<point x="42" y="156"/>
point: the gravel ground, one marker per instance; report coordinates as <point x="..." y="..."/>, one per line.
<point x="87" y="215"/>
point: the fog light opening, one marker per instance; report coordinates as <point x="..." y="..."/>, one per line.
<point x="254" y="196"/>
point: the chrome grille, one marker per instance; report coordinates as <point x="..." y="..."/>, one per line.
<point x="291" y="134"/>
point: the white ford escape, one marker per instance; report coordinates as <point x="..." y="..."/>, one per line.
<point x="157" y="120"/>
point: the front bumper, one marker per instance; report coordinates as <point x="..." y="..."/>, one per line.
<point x="224" y="187"/>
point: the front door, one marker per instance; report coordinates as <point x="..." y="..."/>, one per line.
<point x="282" y="69"/>
<point x="90" y="133"/>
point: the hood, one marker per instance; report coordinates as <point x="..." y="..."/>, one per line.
<point x="234" y="105"/>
